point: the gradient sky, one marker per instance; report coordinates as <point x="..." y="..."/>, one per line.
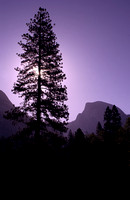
<point x="94" y="38"/>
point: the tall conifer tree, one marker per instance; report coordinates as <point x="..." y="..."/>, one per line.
<point x="40" y="77"/>
<point x="107" y="119"/>
<point x="116" y="119"/>
<point x="112" y="123"/>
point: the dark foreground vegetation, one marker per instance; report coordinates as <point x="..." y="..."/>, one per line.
<point x="57" y="164"/>
<point x="54" y="153"/>
<point x="57" y="152"/>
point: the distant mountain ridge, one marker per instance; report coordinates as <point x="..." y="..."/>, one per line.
<point x="87" y="120"/>
<point x="92" y="113"/>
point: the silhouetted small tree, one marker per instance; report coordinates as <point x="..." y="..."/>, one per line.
<point x="92" y="138"/>
<point x="80" y="140"/>
<point x="40" y="77"/>
<point x="127" y="131"/>
<point x="107" y="120"/>
<point x="70" y="137"/>
<point x="99" y="132"/>
<point x="99" y="127"/>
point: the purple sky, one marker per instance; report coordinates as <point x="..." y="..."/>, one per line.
<point x="94" y="38"/>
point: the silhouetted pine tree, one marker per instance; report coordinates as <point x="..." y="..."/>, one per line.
<point x="112" y="123"/>
<point x="116" y="119"/>
<point x="99" y="131"/>
<point x="80" y="138"/>
<point x="70" y="137"/>
<point x="98" y="128"/>
<point x="107" y="119"/>
<point x="40" y="77"/>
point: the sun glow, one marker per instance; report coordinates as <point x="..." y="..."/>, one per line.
<point x="35" y="70"/>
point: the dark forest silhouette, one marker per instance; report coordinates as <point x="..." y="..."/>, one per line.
<point x="107" y="148"/>
<point x="42" y="142"/>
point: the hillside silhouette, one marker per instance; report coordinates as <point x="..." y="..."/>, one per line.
<point x="6" y="127"/>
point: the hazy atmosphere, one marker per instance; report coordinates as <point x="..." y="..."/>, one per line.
<point x="51" y="133"/>
<point x="94" y="38"/>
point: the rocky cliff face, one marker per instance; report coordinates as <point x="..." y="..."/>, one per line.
<point x="6" y="127"/>
<point x="93" y="112"/>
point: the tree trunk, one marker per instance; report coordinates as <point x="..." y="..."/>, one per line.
<point x="39" y="90"/>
